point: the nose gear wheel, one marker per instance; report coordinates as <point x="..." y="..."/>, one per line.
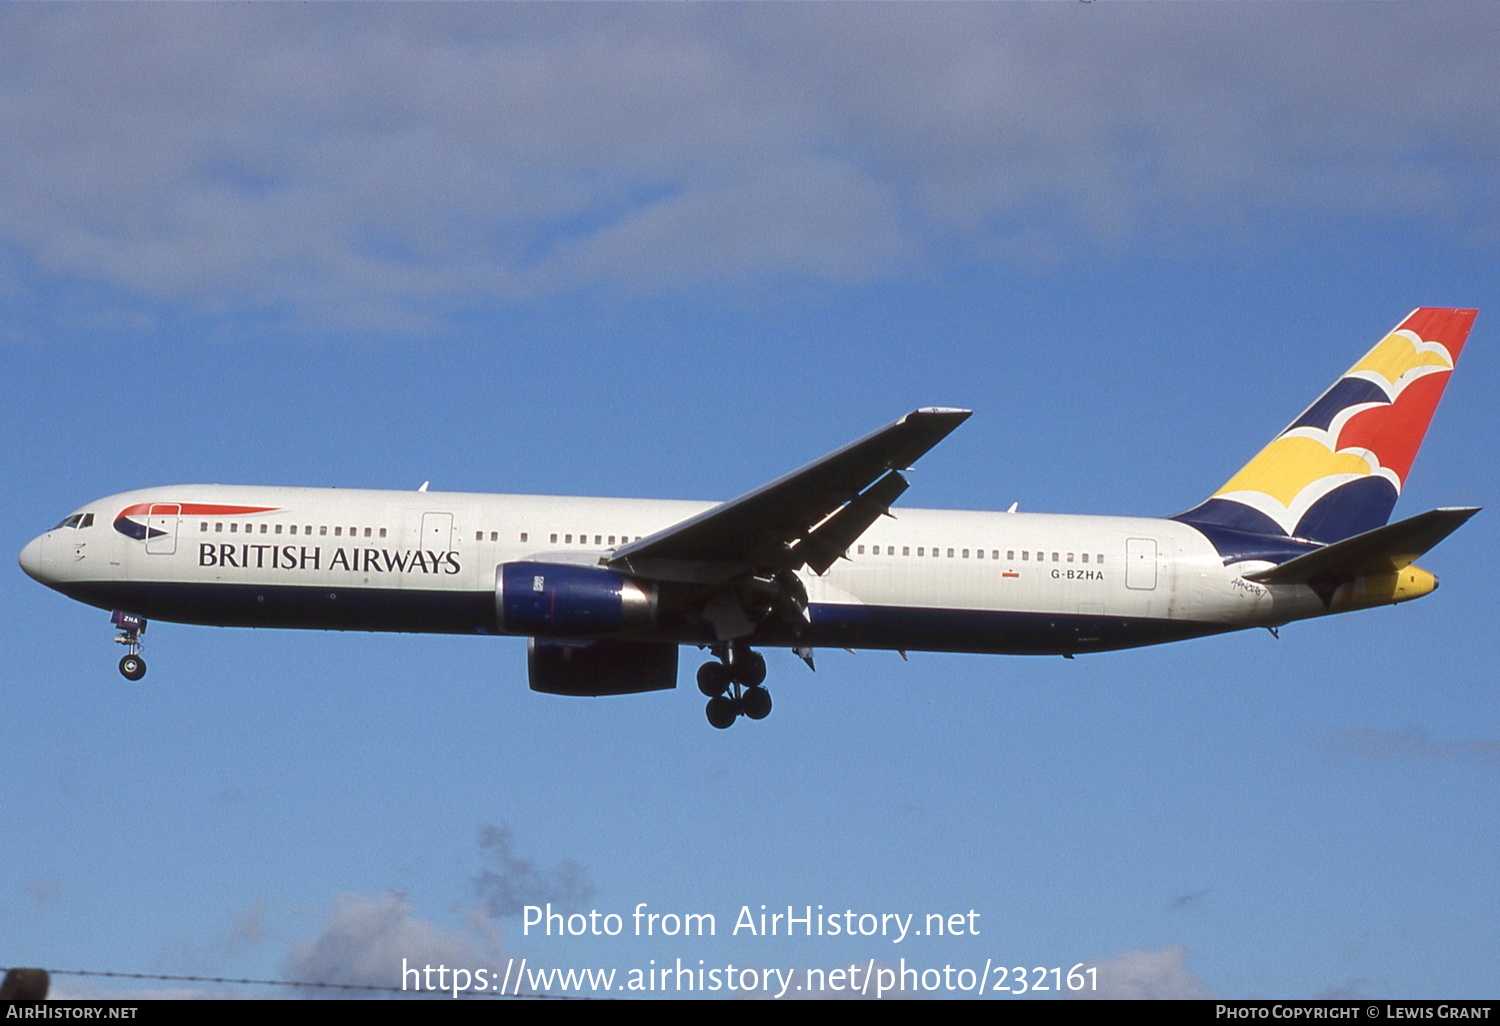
<point x="132" y="666"/>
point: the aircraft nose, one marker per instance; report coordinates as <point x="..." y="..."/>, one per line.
<point x="31" y="558"/>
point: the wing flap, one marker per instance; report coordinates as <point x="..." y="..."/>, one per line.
<point x="831" y="539"/>
<point x="763" y="527"/>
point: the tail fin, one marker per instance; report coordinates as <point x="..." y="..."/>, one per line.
<point x="1337" y="470"/>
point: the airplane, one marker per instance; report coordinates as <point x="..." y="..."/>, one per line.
<point x="606" y="590"/>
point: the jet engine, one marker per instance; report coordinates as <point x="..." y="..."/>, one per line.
<point x="556" y="600"/>
<point x="561" y="667"/>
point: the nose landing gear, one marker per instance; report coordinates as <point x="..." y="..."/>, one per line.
<point x="132" y="666"/>
<point x="733" y="685"/>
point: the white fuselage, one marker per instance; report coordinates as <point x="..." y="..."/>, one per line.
<point x="942" y="580"/>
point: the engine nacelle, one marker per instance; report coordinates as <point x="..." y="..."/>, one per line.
<point x="600" y="667"/>
<point x="559" y="601"/>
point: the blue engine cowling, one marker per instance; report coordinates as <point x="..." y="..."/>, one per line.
<point x="560" y="601"/>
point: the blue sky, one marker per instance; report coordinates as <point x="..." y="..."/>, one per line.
<point x="669" y="251"/>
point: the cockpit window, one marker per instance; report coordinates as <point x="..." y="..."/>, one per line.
<point x="76" y="520"/>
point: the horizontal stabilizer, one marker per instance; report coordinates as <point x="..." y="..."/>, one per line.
<point x="1381" y="551"/>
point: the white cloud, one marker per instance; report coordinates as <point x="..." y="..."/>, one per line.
<point x="367" y="941"/>
<point x="1147" y="976"/>
<point x="367" y="167"/>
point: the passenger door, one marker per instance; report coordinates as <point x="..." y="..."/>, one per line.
<point x="161" y="528"/>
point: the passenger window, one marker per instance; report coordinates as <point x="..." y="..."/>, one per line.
<point x="1025" y="555"/>
<point x="203" y="526"/>
<point x="906" y="550"/>
<point x="611" y="539"/>
<point x="1099" y="558"/>
<point x="1010" y="554"/>
<point x="860" y="550"/>
<point x="950" y="554"/>
<point x="1085" y="557"/>
<point x="554" y="539"/>
<point x="338" y="532"/>
<point x="293" y="529"/>
<point x="978" y="553"/>
<point x="598" y="539"/>
<point x="567" y="539"/>
<point x="234" y="527"/>
<point x="367" y="532"/>
<point x="523" y="536"/>
<point x="921" y="550"/>
<point x="1054" y="557"/>
<point x="219" y="527"/>
<point x="265" y="528"/>
<point x="322" y="530"/>
<point x="479" y="536"/>
<point x="382" y="532"/>
<point x="1070" y="557"/>
<point x="278" y="528"/>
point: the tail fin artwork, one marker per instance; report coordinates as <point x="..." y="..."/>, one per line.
<point x="1337" y="470"/>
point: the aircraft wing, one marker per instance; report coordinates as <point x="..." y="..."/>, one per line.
<point x="805" y="518"/>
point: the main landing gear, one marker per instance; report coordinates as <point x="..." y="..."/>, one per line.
<point x="733" y="685"/>
<point x="132" y="666"/>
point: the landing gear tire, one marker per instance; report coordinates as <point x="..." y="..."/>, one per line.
<point x="721" y="712"/>
<point x="750" y="670"/>
<point x="732" y="685"/>
<point x="132" y="667"/>
<point x="756" y="703"/>
<point x="713" y="679"/>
